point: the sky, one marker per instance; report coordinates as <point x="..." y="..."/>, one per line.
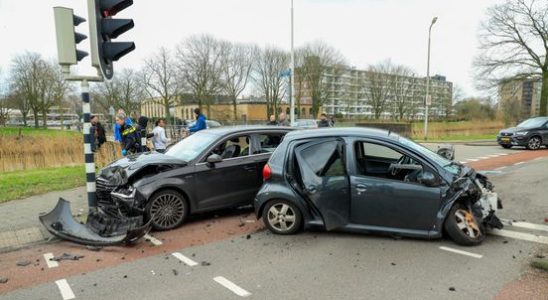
<point x="365" y="31"/>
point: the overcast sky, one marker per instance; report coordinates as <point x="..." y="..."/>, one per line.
<point x="365" y="31"/>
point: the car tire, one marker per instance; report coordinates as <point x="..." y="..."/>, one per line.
<point x="534" y="143"/>
<point x="167" y="209"/>
<point x="282" y="217"/>
<point x="506" y="146"/>
<point x="463" y="228"/>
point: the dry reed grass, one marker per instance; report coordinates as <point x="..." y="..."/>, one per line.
<point x="36" y="152"/>
<point x="458" y="129"/>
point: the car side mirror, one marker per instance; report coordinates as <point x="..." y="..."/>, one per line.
<point x="428" y="179"/>
<point x="213" y="159"/>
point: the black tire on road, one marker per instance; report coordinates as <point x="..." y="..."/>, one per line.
<point x="506" y="146"/>
<point x="462" y="226"/>
<point x="168" y="209"/>
<point x="282" y="217"/>
<point x="534" y="143"/>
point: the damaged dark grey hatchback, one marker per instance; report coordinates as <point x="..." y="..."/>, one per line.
<point x="373" y="181"/>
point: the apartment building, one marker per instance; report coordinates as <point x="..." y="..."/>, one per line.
<point x="525" y="92"/>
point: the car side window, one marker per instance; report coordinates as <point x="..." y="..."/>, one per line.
<point x="266" y="143"/>
<point x="380" y="161"/>
<point x="232" y="147"/>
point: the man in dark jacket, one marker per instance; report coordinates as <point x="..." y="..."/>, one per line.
<point x="272" y="121"/>
<point x="324" y="122"/>
<point x="131" y="142"/>
<point x="200" y="122"/>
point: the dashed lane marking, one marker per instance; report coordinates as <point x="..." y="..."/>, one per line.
<point x="519" y="163"/>
<point x="50" y="263"/>
<point x="232" y="286"/>
<point x="472" y="159"/>
<point x="525" y="225"/>
<point x="187" y="261"/>
<point x="484" y="157"/>
<point x="64" y="288"/>
<point x="474" y="255"/>
<point x="153" y="240"/>
<point x="520" y="236"/>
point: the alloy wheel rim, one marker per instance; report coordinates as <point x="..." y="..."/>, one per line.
<point x="281" y="217"/>
<point x="467" y="223"/>
<point x="167" y="210"/>
<point x="534" y="143"/>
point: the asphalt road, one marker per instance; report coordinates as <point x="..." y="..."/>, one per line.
<point x="320" y="265"/>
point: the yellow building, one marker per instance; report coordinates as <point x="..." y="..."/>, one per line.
<point x="246" y="111"/>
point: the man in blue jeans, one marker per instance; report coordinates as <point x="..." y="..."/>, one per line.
<point x="200" y="122"/>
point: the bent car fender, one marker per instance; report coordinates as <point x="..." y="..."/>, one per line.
<point x="61" y="223"/>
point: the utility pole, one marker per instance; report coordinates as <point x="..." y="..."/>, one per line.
<point x="292" y="78"/>
<point x="428" y="99"/>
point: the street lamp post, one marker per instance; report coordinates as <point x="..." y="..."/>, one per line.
<point x="427" y="100"/>
<point x="292" y="74"/>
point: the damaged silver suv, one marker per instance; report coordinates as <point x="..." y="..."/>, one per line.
<point x="373" y="181"/>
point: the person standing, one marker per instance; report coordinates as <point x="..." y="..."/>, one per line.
<point x="93" y="133"/>
<point x="200" y="122"/>
<point x="324" y="122"/>
<point x="283" y="120"/>
<point x="127" y="121"/>
<point x="272" y="121"/>
<point x="100" y="133"/>
<point x="129" y="136"/>
<point x="159" y="139"/>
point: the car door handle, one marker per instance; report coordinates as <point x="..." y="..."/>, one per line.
<point x="360" y="188"/>
<point x="311" y="189"/>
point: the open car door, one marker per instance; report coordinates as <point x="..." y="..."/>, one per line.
<point x="324" y="179"/>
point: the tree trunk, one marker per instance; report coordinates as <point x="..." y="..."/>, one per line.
<point x="35" y="113"/>
<point x="45" y="118"/>
<point x="166" y="110"/>
<point x="544" y="94"/>
<point x="235" y="108"/>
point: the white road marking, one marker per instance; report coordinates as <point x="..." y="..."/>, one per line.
<point x="519" y="163"/>
<point x="153" y="240"/>
<point x="50" y="263"/>
<point x="474" y="255"/>
<point x="500" y="168"/>
<point x="472" y="159"/>
<point x="494" y="155"/>
<point x="483" y="157"/>
<point x="64" y="288"/>
<point x="526" y="225"/>
<point x="502" y="154"/>
<point x="187" y="261"/>
<point x="520" y="236"/>
<point x="231" y="286"/>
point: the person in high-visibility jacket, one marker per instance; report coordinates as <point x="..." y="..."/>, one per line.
<point x="130" y="138"/>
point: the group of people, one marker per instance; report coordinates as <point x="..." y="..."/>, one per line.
<point x="282" y="121"/>
<point x="131" y="133"/>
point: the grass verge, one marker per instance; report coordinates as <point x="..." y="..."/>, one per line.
<point x="26" y="183"/>
<point x="37" y="132"/>
<point x="541" y="264"/>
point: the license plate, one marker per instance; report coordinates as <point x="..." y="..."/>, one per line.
<point x="505" y="139"/>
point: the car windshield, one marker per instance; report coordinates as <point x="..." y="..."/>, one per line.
<point x="442" y="162"/>
<point x="532" y="123"/>
<point x="189" y="148"/>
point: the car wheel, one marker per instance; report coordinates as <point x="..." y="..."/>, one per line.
<point x="167" y="209"/>
<point x="282" y="217"/>
<point x="534" y="143"/>
<point x="506" y="146"/>
<point x="462" y="226"/>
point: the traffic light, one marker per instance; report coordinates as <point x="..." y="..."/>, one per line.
<point x="103" y="29"/>
<point x="67" y="38"/>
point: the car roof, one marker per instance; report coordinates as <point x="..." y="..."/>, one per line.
<point x="342" y="131"/>
<point x="221" y="131"/>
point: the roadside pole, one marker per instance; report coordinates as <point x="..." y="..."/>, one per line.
<point x="88" y="153"/>
<point x="292" y="73"/>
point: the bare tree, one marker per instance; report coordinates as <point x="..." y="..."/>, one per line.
<point x="199" y="59"/>
<point x="4" y="103"/>
<point x="36" y="85"/>
<point x="378" y="85"/>
<point x="318" y="60"/>
<point x="160" y="79"/>
<point x="515" y="41"/>
<point x="236" y="67"/>
<point x="269" y="65"/>
<point x="124" y="91"/>
<point x="404" y="86"/>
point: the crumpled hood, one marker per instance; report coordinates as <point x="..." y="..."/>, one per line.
<point x="133" y="163"/>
